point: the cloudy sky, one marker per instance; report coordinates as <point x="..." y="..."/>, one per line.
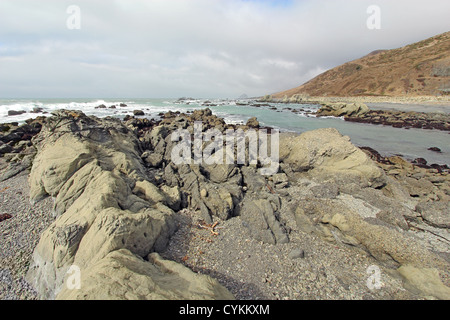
<point x="200" y="48"/>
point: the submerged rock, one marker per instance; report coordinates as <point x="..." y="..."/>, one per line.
<point x="15" y="112"/>
<point x="435" y="149"/>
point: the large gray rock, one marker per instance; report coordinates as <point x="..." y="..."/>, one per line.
<point x="221" y="186"/>
<point x="325" y="154"/>
<point x="105" y="204"/>
<point x="112" y="219"/>
<point x="335" y="221"/>
<point x="435" y="213"/>
<point x="126" y="276"/>
<point x="343" y="109"/>
<point x="262" y="220"/>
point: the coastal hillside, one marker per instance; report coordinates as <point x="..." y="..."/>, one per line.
<point x="419" y="69"/>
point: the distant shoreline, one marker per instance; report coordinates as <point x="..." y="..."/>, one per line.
<point x="431" y="108"/>
<point x="426" y="104"/>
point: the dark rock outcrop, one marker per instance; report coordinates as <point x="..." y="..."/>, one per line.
<point x="398" y="119"/>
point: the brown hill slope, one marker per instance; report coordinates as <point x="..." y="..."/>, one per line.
<point x="419" y="69"/>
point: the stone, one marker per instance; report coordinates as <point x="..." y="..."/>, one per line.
<point x="420" y="161"/>
<point x="394" y="217"/>
<point x="280" y="178"/>
<point x="435" y="149"/>
<point x="296" y="254"/>
<point x="154" y="160"/>
<point x="138" y="113"/>
<point x="219" y="202"/>
<point x="418" y="187"/>
<point x="148" y="191"/>
<point x="335" y="222"/>
<point x="262" y="222"/>
<point x="329" y="191"/>
<point x="342" y="109"/>
<point x="5" y="148"/>
<point x="12" y="170"/>
<point x="436" y="213"/>
<point x="109" y="216"/>
<point x="220" y="173"/>
<point x="429" y="120"/>
<point x="206" y="216"/>
<point x="252" y="123"/>
<point x="426" y="281"/>
<point x="400" y="163"/>
<point x="123" y="276"/>
<point x="326" y="153"/>
<point x="37" y="110"/>
<point x="172" y="197"/>
<point x="116" y="209"/>
<point x="15" y="113"/>
<point x="5" y="216"/>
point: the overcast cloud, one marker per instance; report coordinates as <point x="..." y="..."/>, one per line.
<point x="200" y="48"/>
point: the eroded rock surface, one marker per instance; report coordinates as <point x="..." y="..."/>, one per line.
<point x="117" y="191"/>
<point x="110" y="216"/>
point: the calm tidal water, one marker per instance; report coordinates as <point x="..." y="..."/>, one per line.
<point x="411" y="144"/>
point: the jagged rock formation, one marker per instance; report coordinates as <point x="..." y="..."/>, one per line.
<point x="108" y="214"/>
<point x="117" y="189"/>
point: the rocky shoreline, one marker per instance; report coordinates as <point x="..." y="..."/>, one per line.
<point x="307" y="99"/>
<point x="405" y="120"/>
<point x="359" y="112"/>
<point x="312" y="230"/>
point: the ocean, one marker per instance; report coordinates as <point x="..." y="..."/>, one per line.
<point x="408" y="143"/>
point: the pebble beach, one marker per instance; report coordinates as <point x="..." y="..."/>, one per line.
<point x="19" y="236"/>
<point x="306" y="268"/>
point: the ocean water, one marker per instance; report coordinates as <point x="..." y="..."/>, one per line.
<point x="410" y="144"/>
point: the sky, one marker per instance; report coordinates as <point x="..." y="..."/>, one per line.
<point x="195" y="48"/>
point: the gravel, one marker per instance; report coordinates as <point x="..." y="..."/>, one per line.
<point x="19" y="236"/>
<point x="306" y="268"/>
